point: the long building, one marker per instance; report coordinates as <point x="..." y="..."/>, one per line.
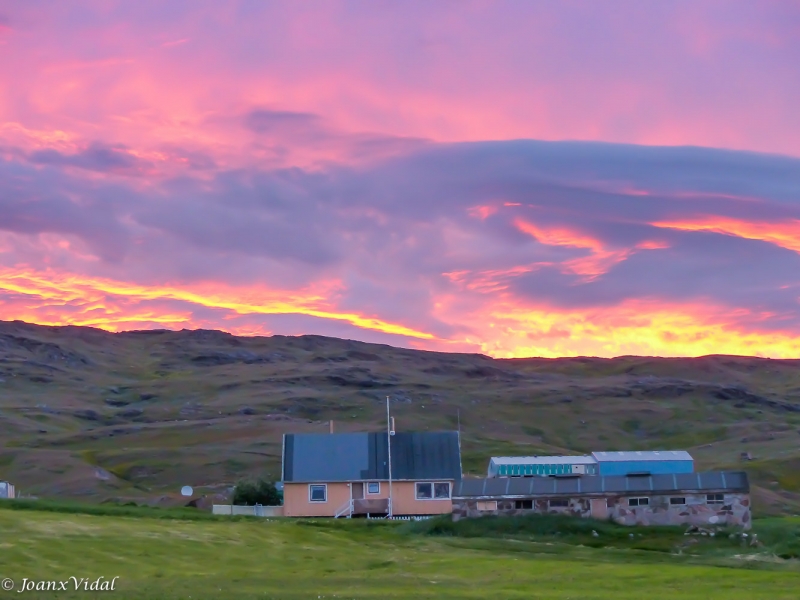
<point x="637" y="462"/>
<point x="531" y="466"/>
<point x="703" y="499"/>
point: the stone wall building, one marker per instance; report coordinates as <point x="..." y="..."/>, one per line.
<point x="702" y="499"/>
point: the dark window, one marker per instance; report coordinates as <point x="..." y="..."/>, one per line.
<point x="374" y="487"/>
<point x="559" y="503"/>
<point x="318" y="493"/>
<point x="715" y="498"/>
<point x="638" y="501"/>
<point x="424" y="491"/>
<point x="677" y="500"/>
<point x="441" y="491"/>
<point x="523" y="504"/>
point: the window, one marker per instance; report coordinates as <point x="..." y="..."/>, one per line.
<point x="487" y="505"/>
<point x="523" y="504"/>
<point x="559" y="503"/>
<point x="715" y="498"/>
<point x="318" y="493"/>
<point x="441" y="491"/>
<point x="374" y="487"/>
<point x="424" y="491"/>
<point x="638" y="501"/>
<point x="677" y="500"/>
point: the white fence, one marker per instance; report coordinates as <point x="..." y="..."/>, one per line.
<point x="247" y="511"/>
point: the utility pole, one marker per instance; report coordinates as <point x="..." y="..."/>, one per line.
<point x="389" y="448"/>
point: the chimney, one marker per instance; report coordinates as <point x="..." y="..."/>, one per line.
<point x="331" y="424"/>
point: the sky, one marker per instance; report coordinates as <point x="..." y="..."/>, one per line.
<point x="515" y="178"/>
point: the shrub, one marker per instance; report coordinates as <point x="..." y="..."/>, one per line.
<point x="248" y="492"/>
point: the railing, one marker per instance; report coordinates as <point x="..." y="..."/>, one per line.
<point x="249" y="511"/>
<point x="347" y="508"/>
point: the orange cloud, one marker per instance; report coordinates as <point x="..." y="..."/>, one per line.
<point x="58" y="298"/>
<point x="597" y="263"/>
<point x="482" y="212"/>
<point x="785" y="234"/>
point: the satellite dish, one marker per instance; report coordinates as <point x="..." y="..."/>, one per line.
<point x="187" y="490"/>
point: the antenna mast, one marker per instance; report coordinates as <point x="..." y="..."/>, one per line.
<point x="389" y="447"/>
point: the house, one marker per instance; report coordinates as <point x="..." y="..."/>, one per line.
<point x="641" y="462"/>
<point x="347" y="474"/>
<point x="6" y="490"/>
<point x="710" y="498"/>
<point x="529" y="466"/>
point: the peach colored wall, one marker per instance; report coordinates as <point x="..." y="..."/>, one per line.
<point x="296" y="504"/>
<point x="404" y="501"/>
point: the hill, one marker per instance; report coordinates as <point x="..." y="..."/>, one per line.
<point x="135" y="415"/>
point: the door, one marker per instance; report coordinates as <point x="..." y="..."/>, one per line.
<point x="358" y="491"/>
<point x="599" y="508"/>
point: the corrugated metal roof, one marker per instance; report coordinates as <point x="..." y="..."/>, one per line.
<point x="543" y="460"/>
<point x="634" y="455"/>
<point x="733" y="481"/>
<point x="310" y="457"/>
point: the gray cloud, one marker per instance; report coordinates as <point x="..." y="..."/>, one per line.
<point x="390" y="230"/>
<point x="96" y="157"/>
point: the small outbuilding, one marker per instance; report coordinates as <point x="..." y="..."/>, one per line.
<point x="7" y="491"/>
<point x="644" y="462"/>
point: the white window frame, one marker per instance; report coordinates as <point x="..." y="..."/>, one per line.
<point x="718" y="499"/>
<point x="550" y="503"/>
<point x="369" y="483"/>
<point x="433" y="485"/>
<point x="681" y="503"/>
<point x="416" y="489"/>
<point x="449" y="490"/>
<point x="639" y="501"/>
<point x="324" y="486"/>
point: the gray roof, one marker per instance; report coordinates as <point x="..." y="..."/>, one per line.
<point x="642" y="455"/>
<point x="732" y="481"/>
<point x="309" y="457"/>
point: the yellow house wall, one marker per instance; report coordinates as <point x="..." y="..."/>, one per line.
<point x="404" y="502"/>
<point x="296" y="504"/>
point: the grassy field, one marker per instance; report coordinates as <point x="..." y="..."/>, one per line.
<point x="210" y="558"/>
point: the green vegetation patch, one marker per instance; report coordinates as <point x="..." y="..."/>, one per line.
<point x="220" y="558"/>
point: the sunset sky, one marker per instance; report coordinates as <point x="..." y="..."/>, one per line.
<point x="515" y="178"/>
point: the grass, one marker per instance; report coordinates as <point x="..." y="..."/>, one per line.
<point x="110" y="509"/>
<point x="259" y="558"/>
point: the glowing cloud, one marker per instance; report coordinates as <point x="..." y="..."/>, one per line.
<point x="49" y="292"/>
<point x="784" y="234"/>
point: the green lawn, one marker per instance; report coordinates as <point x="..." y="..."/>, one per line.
<point x="161" y="559"/>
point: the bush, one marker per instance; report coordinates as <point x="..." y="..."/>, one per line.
<point x="248" y="492"/>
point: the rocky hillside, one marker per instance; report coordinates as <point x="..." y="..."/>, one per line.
<point x="135" y="415"/>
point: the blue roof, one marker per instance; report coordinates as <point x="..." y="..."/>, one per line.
<point x="311" y="457"/>
<point x="635" y="455"/>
